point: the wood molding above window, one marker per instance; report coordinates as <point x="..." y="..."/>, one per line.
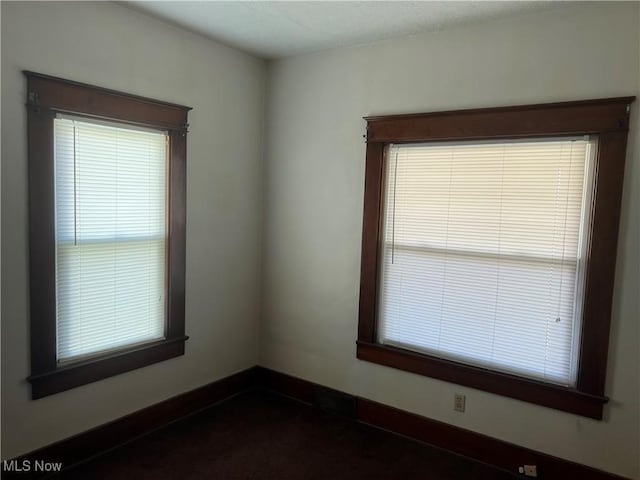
<point x="608" y="121"/>
<point x="47" y="98"/>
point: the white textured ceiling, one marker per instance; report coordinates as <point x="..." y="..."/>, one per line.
<point x="275" y="29"/>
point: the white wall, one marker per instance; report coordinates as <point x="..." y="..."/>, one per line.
<point x="109" y="45"/>
<point x="314" y="192"/>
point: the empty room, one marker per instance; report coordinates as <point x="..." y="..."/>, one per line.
<point x="320" y="240"/>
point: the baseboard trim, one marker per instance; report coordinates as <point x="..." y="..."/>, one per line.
<point x="501" y="454"/>
<point x="85" y="445"/>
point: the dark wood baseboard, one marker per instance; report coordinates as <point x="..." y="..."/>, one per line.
<point x="498" y="453"/>
<point x="501" y="454"/>
<point x="85" y="445"/>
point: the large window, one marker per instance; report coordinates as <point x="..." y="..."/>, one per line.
<point x="483" y="256"/>
<point x="489" y="248"/>
<point x="107" y="232"/>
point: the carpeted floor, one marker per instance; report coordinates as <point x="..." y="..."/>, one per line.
<point x="264" y="436"/>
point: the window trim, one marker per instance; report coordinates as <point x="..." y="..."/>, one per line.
<point x="46" y="97"/>
<point x="606" y="118"/>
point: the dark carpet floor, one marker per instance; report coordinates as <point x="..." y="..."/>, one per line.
<point x="264" y="436"/>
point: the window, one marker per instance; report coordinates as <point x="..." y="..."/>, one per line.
<point x="482" y="258"/>
<point x="110" y="236"/>
<point x="489" y="243"/>
<point x="107" y="246"/>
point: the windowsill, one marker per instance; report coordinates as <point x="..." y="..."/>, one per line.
<point x="532" y="391"/>
<point x="97" y="368"/>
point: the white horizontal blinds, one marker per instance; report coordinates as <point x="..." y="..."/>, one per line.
<point x="110" y="236"/>
<point x="482" y="257"/>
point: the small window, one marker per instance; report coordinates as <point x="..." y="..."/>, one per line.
<point x="107" y="232"/>
<point x="488" y="250"/>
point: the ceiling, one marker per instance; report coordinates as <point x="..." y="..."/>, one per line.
<point x="276" y="29"/>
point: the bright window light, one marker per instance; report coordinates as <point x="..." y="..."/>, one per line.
<point x="110" y="193"/>
<point x="483" y="258"/>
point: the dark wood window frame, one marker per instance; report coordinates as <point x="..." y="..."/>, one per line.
<point x="46" y="97"/>
<point x="608" y="119"/>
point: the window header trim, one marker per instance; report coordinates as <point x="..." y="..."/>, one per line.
<point x="66" y="96"/>
<point x="552" y="119"/>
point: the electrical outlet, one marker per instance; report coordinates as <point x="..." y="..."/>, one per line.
<point x="528" y="470"/>
<point x="459" y="401"/>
